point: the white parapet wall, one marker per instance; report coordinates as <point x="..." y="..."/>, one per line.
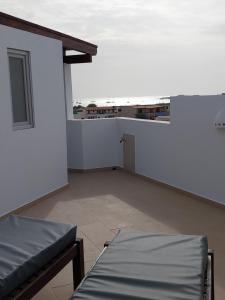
<point x="33" y="162"/>
<point x="187" y="153"/>
<point x="92" y="144"/>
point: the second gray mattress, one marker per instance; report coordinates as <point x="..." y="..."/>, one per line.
<point x="143" y="266"/>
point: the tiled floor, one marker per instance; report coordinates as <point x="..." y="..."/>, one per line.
<point x="100" y="203"/>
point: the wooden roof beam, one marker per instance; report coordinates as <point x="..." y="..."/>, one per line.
<point x="77" y="59"/>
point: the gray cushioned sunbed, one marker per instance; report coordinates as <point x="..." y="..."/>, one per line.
<point x="26" y="245"/>
<point x="144" y="266"/>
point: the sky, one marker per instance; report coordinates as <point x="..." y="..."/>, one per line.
<point x="145" y="47"/>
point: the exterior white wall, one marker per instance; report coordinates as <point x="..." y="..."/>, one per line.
<point x="92" y="144"/>
<point x="100" y="134"/>
<point x="68" y="91"/>
<point x="33" y="162"/>
<point x="75" y="144"/>
<point x="187" y="153"/>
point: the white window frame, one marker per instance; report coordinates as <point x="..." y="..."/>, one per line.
<point x="25" y="56"/>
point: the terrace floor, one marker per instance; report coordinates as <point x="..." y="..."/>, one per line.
<point x="100" y="203"/>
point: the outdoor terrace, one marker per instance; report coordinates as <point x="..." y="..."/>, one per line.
<point x="102" y="202"/>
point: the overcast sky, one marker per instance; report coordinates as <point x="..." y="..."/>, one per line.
<point x="146" y="47"/>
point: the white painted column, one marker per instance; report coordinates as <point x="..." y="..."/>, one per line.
<point x="68" y="91"/>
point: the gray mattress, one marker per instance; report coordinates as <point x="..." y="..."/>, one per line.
<point x="139" y="265"/>
<point x="26" y="245"/>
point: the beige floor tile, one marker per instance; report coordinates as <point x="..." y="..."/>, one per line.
<point x="81" y="216"/>
<point x="64" y="277"/>
<point x="63" y="292"/>
<point x="113" y="222"/>
<point x="97" y="233"/>
<point x="45" y="294"/>
<point x="88" y="265"/>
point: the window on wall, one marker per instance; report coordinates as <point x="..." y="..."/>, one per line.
<point x="21" y="89"/>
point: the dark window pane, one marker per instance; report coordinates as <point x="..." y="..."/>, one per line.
<point x="18" y="89"/>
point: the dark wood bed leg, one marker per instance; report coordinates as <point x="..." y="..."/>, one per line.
<point x="78" y="264"/>
<point x="211" y="254"/>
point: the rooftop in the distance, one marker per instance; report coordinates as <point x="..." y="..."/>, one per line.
<point x="134" y="106"/>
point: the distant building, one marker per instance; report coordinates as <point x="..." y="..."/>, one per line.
<point x="101" y="112"/>
<point x="151" y="111"/>
<point x="79" y="112"/>
<point x="128" y="111"/>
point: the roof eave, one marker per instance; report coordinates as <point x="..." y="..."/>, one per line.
<point x="69" y="42"/>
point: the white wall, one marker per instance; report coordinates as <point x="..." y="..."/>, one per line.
<point x="75" y="145"/>
<point x="188" y="153"/>
<point x="33" y="162"/>
<point x="92" y="144"/>
<point x="100" y="134"/>
<point x="68" y="91"/>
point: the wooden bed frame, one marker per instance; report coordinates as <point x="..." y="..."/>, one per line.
<point x="74" y="252"/>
